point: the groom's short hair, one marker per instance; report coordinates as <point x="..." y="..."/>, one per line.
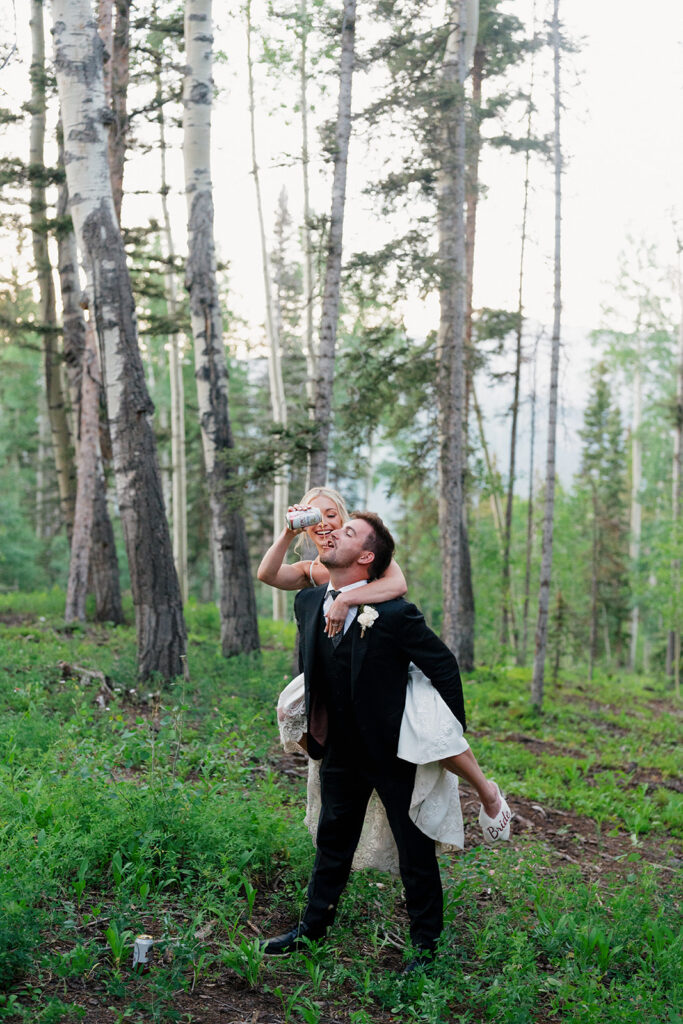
<point x="380" y="542"/>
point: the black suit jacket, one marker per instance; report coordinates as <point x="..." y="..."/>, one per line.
<point x="379" y="670"/>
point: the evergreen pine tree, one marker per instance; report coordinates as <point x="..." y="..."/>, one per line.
<point x="603" y="474"/>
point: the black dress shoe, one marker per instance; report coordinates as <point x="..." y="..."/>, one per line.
<point x="297" y="938"/>
<point x="422" y="962"/>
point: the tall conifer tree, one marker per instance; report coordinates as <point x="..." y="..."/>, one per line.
<point x="603" y="475"/>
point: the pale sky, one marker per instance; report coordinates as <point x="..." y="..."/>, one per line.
<point x="621" y="134"/>
<point x="624" y="165"/>
<point x="621" y="129"/>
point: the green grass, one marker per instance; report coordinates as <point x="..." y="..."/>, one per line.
<point x="612" y="730"/>
<point x="158" y="810"/>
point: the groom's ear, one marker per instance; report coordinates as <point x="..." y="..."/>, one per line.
<point x="366" y="557"/>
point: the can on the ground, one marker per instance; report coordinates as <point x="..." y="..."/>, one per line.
<point x="300" y="518"/>
<point x="143" y="951"/>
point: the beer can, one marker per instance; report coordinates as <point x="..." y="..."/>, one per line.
<point x="142" y="953"/>
<point x="298" y="519"/>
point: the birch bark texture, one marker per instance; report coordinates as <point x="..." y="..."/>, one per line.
<point x="324" y="380"/>
<point x="77" y="586"/>
<point x="175" y="362"/>
<point x="450" y="188"/>
<point x="307" y="242"/>
<point x="56" y="408"/>
<point x="73" y="321"/>
<point x="103" y="566"/>
<point x="239" y="629"/>
<point x="549" y="509"/>
<point x="161" y="635"/>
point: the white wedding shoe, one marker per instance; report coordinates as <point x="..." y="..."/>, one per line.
<point x="497" y="828"/>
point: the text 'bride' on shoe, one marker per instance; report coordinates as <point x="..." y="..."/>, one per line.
<point x="498" y="827"/>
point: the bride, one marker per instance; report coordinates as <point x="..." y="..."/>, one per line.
<point x="431" y="737"/>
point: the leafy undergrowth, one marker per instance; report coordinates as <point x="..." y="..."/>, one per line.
<point x="128" y="809"/>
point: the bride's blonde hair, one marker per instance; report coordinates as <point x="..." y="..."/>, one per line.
<point x="322" y="492"/>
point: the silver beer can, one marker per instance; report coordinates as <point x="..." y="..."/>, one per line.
<point x="143" y="951"/>
<point x="299" y="519"/>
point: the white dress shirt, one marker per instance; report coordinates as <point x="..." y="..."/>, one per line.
<point x="353" y="610"/>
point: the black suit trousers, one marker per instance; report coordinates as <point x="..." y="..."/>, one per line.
<point x="347" y="780"/>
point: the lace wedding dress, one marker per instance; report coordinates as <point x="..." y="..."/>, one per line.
<point x="429" y="732"/>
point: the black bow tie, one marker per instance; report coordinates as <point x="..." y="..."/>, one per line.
<point x="334" y="594"/>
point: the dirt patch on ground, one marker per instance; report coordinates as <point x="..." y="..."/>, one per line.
<point x="655" y="706"/>
<point x="537" y="746"/>
<point x="652" y="778"/>
<point x="16" y="619"/>
<point x="578" y="840"/>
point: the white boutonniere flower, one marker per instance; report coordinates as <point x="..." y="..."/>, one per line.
<point x="366" y="618"/>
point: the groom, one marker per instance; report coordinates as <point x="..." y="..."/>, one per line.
<point x="355" y="695"/>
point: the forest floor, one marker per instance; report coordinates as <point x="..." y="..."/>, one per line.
<point x="175" y="814"/>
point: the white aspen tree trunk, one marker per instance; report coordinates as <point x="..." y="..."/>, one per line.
<point x="307" y="242"/>
<point x="636" y="483"/>
<point x="549" y="510"/>
<point x="278" y="404"/>
<point x="162" y="642"/>
<point x="77" y="586"/>
<point x="450" y="189"/>
<point x="521" y="654"/>
<point x="104" y="571"/>
<point x="178" y="458"/>
<point x="43" y="435"/>
<point x="165" y="465"/>
<point x="239" y="630"/>
<point x="56" y="409"/>
<point x="175" y="369"/>
<point x="73" y="320"/>
<point x="605" y="631"/>
<point x="324" y="379"/>
<point x="103" y="562"/>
